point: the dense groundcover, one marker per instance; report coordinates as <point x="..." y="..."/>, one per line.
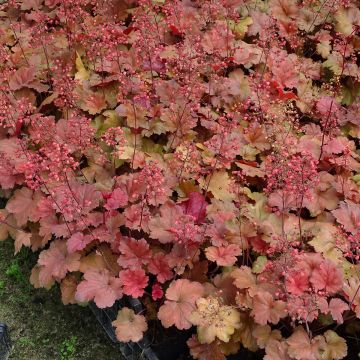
<point x="202" y="156"/>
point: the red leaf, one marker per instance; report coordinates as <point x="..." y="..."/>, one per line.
<point x="157" y="292"/>
<point x="129" y="30"/>
<point x="134" y="282"/>
<point x="266" y="309"/>
<point x="297" y="282"/>
<point x="117" y="199"/>
<point x="336" y="307"/>
<point x="181" y="298"/>
<point x="258" y="244"/>
<point x="56" y="262"/>
<point x="286" y="95"/>
<point x="23" y="205"/>
<point x="99" y="285"/>
<point x="327" y="277"/>
<point x="68" y="289"/>
<point x="348" y="215"/>
<point x="175" y="30"/>
<point x="283" y="95"/>
<point x="249" y="163"/>
<point x="195" y="206"/>
<point x="223" y="255"/>
<point x="301" y="347"/>
<point x="22" y="77"/>
<point x="77" y="242"/>
<point x="159" y="266"/>
<point x="134" y="252"/>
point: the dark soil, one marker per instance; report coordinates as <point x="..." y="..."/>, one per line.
<point x="41" y="327"/>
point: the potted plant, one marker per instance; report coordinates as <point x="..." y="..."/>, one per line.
<point x="5" y="343"/>
<point x="191" y="164"/>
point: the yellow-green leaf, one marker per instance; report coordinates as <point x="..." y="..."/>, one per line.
<point x="218" y="184"/>
<point x="259" y="264"/>
<point x="81" y="74"/>
<point x="241" y="27"/>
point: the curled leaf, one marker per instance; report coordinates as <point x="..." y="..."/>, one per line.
<point x="129" y="326"/>
<point x="334" y="347"/>
<point x="214" y="320"/>
<point x="181" y="297"/>
<point x="100" y="286"/>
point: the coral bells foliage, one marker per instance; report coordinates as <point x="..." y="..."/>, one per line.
<point x="202" y="156"/>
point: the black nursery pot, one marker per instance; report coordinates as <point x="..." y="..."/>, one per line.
<point x="171" y="344"/>
<point x="5" y="343"/>
<point x="172" y="347"/>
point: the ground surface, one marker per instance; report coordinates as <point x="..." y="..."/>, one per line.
<point x="41" y="327"/>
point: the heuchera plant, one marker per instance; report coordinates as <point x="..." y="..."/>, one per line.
<point x="200" y="155"/>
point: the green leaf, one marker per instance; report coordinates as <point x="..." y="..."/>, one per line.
<point x="325" y="320"/>
<point x="259" y="264"/>
<point x="356" y="178"/>
<point x="81" y="74"/>
<point x="109" y="119"/>
<point x="241" y="27"/>
<point x="333" y="63"/>
<point x="353" y="327"/>
<point x="148" y="146"/>
<point x="350" y="91"/>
